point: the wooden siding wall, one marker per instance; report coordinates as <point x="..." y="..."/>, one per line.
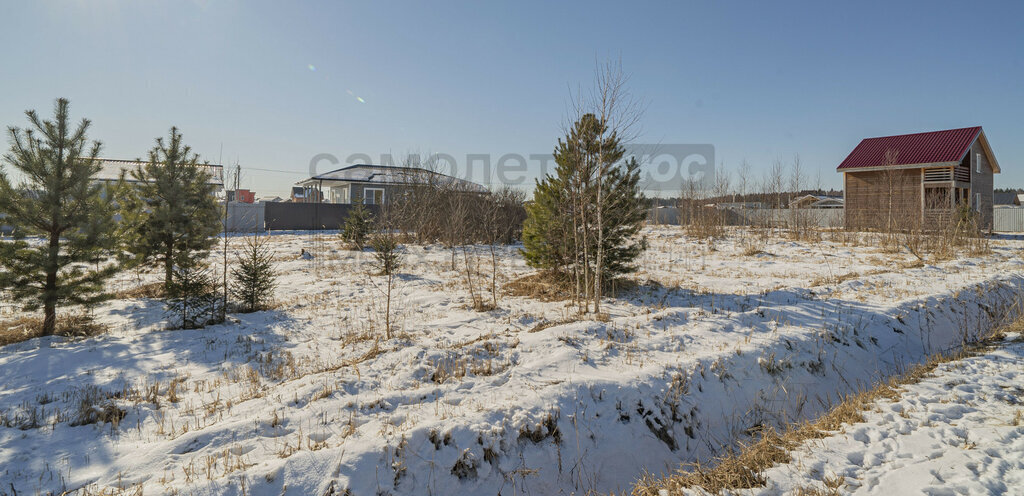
<point x="867" y="198"/>
<point x="982" y="183"/>
<point x="391" y="191"/>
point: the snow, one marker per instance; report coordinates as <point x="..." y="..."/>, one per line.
<point x="305" y="399"/>
<point x="959" y="432"/>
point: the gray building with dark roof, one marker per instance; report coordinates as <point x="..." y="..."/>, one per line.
<point x="375" y="184"/>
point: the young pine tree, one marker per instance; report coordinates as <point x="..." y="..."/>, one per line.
<point x="192" y="293"/>
<point x="254" y="278"/>
<point x="547" y="230"/>
<point x="387" y="260"/>
<point x="562" y="233"/>
<point x="60" y="202"/>
<point x="358" y="226"/>
<point x="172" y="211"/>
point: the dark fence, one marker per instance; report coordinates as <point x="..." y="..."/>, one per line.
<point x="286" y="216"/>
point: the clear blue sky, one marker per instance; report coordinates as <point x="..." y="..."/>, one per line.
<point x="758" y="80"/>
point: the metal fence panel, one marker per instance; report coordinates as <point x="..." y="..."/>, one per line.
<point x="245" y="217"/>
<point x="775" y="217"/>
<point x="663" y="215"/>
<point x="287" y="216"/>
<point x="1004" y="219"/>
<point x="1009" y="219"/>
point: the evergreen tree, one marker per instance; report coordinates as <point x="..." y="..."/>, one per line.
<point x="562" y="231"/>
<point x="357" y="227"/>
<point x="172" y="210"/>
<point x="192" y="293"/>
<point x="387" y="259"/>
<point x="60" y="202"/>
<point x="254" y="275"/>
<point x="547" y="230"/>
<point x="625" y="210"/>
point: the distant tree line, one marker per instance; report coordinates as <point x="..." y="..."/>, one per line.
<point x="769" y="200"/>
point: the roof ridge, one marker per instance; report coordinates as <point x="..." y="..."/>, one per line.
<point x="924" y="132"/>
<point x="394" y="167"/>
<point x="135" y="161"/>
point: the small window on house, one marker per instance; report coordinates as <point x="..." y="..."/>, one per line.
<point x="373" y="196"/>
<point x="977" y="202"/>
<point x="977" y="163"/>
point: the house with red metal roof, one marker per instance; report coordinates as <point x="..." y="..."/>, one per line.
<point x="914" y="180"/>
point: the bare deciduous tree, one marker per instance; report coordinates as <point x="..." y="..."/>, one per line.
<point x="619" y="113"/>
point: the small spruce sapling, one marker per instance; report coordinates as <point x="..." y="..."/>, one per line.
<point x="387" y="260"/>
<point x="192" y="294"/>
<point x="254" y="278"/>
<point x="357" y="227"/>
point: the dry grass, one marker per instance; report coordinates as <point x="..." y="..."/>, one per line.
<point x="484" y="306"/>
<point x="97" y="406"/>
<point x="550" y="286"/>
<point x="841" y="278"/>
<point x="547" y="324"/>
<point x="28" y="327"/>
<point x="454" y="367"/>
<point x="833" y="484"/>
<point x="743" y="468"/>
<point x="543" y="286"/>
<point x="152" y="290"/>
<point x="120" y="490"/>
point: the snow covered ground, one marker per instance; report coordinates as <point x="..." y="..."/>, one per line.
<point x="959" y="432"/>
<point x="308" y="399"/>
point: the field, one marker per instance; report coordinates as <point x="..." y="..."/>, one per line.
<point x="709" y="342"/>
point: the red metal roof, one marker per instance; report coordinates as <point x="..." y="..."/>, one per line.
<point x="911" y="149"/>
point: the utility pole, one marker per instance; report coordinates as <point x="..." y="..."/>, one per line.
<point x="224" y="261"/>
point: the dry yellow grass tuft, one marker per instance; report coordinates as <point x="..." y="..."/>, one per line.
<point x="546" y="324"/>
<point x="25" y="328"/>
<point x="753" y="251"/>
<point x="151" y="290"/>
<point x="544" y="286"/>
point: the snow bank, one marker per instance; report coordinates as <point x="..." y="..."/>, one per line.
<point x="792" y="355"/>
<point x="958" y="432"/>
